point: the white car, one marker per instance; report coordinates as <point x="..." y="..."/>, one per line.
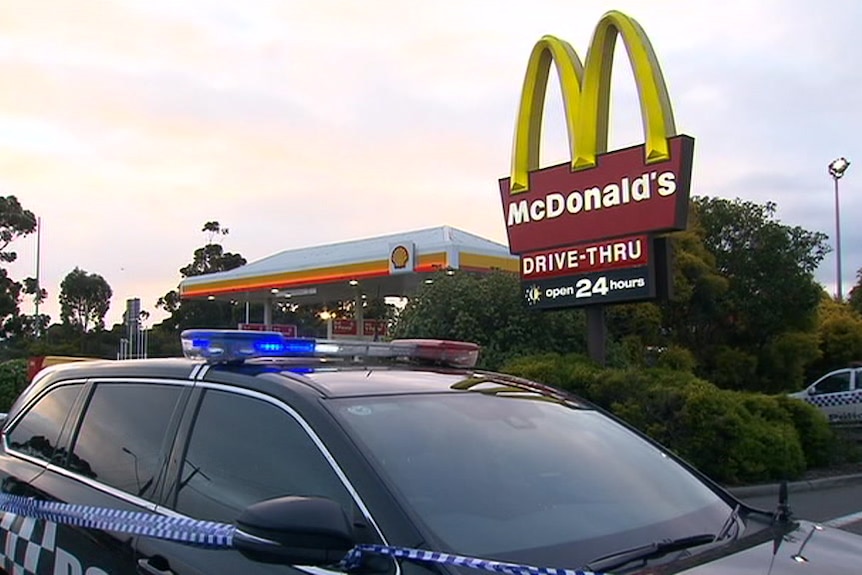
<point x="838" y="394"/>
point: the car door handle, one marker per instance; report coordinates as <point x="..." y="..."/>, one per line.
<point x="144" y="566"/>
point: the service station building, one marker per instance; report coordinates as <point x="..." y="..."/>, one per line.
<point x="386" y="266"/>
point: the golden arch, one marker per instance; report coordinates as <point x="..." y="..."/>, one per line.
<point x="586" y="97"/>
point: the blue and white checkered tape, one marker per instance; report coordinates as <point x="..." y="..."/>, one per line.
<point x="182" y="529"/>
<point x="221" y="535"/>
<point x="354" y="558"/>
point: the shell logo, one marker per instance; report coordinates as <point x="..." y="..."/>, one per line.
<point x="399" y="257"/>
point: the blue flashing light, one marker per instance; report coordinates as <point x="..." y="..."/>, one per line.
<point x="300" y="346"/>
<point x="269" y="346"/>
<point x="235" y="346"/>
<point x="218" y="346"/>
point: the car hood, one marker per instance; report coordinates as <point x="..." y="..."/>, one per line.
<point x="809" y="548"/>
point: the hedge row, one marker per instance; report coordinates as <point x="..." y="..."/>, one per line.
<point x="13" y="380"/>
<point x="734" y="437"/>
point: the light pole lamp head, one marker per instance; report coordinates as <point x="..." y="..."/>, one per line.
<point x="838" y="167"/>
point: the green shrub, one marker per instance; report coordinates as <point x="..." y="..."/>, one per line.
<point x="573" y="372"/>
<point x="13" y="380"/>
<point x="784" y="361"/>
<point x="732" y="368"/>
<point x="627" y="352"/>
<point x="817" y="438"/>
<point x="734" y="437"/>
<point x="718" y="433"/>
<point x="547" y="368"/>
<point x="846" y="448"/>
<point x="677" y="359"/>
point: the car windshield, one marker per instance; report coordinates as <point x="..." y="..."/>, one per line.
<point x="522" y="477"/>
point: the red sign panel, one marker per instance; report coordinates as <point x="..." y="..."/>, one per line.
<point x="584" y="258"/>
<point x="621" y="196"/>
<point x="344" y="327"/>
<point x="289" y="330"/>
<point x="372" y="327"/>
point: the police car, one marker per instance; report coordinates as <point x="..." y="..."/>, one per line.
<point x="367" y="457"/>
<point x="838" y="395"/>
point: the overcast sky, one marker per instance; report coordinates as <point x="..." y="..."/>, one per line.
<point x="125" y="125"/>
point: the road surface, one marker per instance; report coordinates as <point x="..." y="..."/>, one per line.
<point x="840" y="506"/>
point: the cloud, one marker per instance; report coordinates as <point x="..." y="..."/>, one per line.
<point x="125" y="126"/>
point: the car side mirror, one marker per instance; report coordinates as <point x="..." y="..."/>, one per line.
<point x="294" y="531"/>
<point x="811" y="391"/>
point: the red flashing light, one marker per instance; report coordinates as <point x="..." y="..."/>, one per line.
<point x="451" y="353"/>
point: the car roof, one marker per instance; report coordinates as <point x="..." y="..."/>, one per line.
<point x="174" y="367"/>
<point x="326" y="379"/>
<point x="382" y="380"/>
<point x="167" y="368"/>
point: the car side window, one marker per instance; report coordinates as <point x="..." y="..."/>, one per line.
<point x="122" y="439"/>
<point x="243" y="450"/>
<point x="835" y="383"/>
<point x="37" y="432"/>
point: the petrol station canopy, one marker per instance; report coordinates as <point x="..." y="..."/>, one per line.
<point x="391" y="265"/>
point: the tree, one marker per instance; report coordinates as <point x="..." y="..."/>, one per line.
<point x="764" y="319"/>
<point x="15" y="222"/>
<point x="855" y="296"/>
<point x="693" y="316"/>
<point x="839" y="331"/>
<point x="84" y="300"/>
<point x="689" y="320"/>
<point x="36" y="324"/>
<point x="744" y="300"/>
<point x="489" y="310"/>
<point x="769" y="266"/>
<point x="210" y="258"/>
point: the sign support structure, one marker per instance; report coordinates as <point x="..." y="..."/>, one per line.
<point x="597" y="334"/>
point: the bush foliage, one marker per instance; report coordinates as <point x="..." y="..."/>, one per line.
<point x="734" y="437"/>
<point x="13" y="380"/>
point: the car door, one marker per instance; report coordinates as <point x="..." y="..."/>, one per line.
<point x="113" y="457"/>
<point x="242" y="447"/>
<point x="856" y="397"/>
<point x="834" y="395"/>
<point x="32" y="441"/>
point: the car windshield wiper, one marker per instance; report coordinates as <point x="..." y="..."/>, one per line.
<point x="648" y="551"/>
<point x="732" y="520"/>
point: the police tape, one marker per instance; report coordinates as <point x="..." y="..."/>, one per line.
<point x="214" y="535"/>
<point x="354" y="560"/>
<point x="180" y="529"/>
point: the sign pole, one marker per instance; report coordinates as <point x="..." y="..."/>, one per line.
<point x="597" y="332"/>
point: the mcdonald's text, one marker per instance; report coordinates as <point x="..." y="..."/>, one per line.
<point x="594" y="198"/>
<point x="621" y="196"/>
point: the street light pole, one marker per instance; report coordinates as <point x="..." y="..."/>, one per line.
<point x="836" y="170"/>
<point x="838" y="241"/>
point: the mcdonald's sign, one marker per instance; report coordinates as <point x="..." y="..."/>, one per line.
<point x="599" y="194"/>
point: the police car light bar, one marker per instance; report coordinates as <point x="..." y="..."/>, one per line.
<point x="231" y="346"/>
